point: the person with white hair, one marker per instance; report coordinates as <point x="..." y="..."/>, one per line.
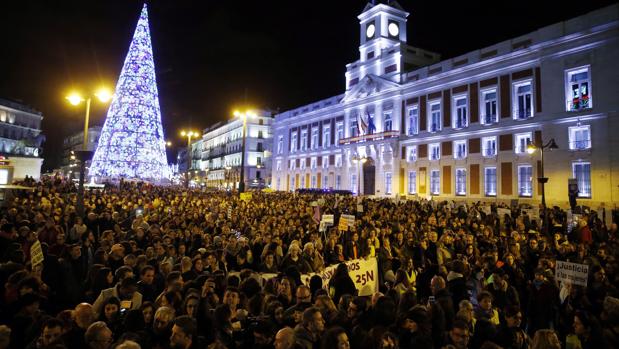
<point x="295" y="259"/>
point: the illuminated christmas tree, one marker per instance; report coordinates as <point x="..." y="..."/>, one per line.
<point x="132" y="143"/>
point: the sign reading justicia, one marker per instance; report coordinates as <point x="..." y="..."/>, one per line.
<point x="574" y="273"/>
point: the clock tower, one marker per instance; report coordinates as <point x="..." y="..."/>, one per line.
<point x="382" y="27"/>
<point x="383" y="50"/>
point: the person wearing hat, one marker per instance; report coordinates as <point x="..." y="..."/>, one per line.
<point x="415" y="330"/>
<point x="542" y="302"/>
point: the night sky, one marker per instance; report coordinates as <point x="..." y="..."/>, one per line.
<point x="213" y="56"/>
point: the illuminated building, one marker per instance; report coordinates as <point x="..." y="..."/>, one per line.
<point x="21" y="141"/>
<point x="216" y="156"/>
<point x="458" y="128"/>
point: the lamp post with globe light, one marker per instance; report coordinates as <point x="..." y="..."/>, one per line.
<point x="531" y="148"/>
<point x="103" y="95"/>
<point x="189" y="134"/>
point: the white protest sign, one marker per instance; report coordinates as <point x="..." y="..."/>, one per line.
<point x="36" y="254"/>
<point x="359" y="208"/>
<point x="574" y="273"/>
<point x="350" y="219"/>
<point x="502" y="212"/>
<point x="486" y="210"/>
<point x="364" y="274"/>
<point x="328" y="219"/>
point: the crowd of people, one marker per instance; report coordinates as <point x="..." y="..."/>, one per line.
<point x="167" y="267"/>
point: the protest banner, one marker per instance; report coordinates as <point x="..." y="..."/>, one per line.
<point x="363" y="272"/>
<point x="36" y="254"/>
<point x="360" y="208"/>
<point x="533" y="213"/>
<point x="574" y="273"/>
<point x="245" y="197"/>
<point x="343" y="225"/>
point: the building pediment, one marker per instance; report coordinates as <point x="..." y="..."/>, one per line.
<point x="368" y="86"/>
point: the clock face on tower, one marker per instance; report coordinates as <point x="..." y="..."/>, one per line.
<point x="394" y="29"/>
<point x="370" y="30"/>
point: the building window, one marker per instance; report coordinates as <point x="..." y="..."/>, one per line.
<point x="278" y="182"/>
<point x="460" y="149"/>
<point x="279" y="165"/>
<point x="489" y="146"/>
<point x="293" y="164"/>
<point x="434" y="120"/>
<point x="314" y="141"/>
<point x="340" y="134"/>
<point x="326" y="137"/>
<point x="280" y="144"/>
<point x="260" y="134"/>
<point x="413" y="120"/>
<point x="292" y="183"/>
<point x="523" y="100"/>
<point x="435" y="151"/>
<point x="522" y="141"/>
<point x="460" y="181"/>
<point x="388" y="182"/>
<point x="525" y="180"/>
<point x="353" y="183"/>
<point x="325" y="161"/>
<point x="302" y="184"/>
<point x="412" y="153"/>
<point x="460" y="113"/>
<point x="412" y="182"/>
<point x="338" y="182"/>
<point x="489" y="106"/>
<point x="302" y="165"/>
<point x="490" y="181"/>
<point x="580" y="137"/>
<point x="313" y="185"/>
<point x="325" y="181"/>
<point x="435" y="182"/>
<point x="293" y="142"/>
<point x="338" y="160"/>
<point x="354" y="128"/>
<point x="582" y="173"/>
<point x="303" y="140"/>
<point x="259" y="147"/>
<point x="388" y="122"/>
<point x="313" y="164"/>
<point x="578" y="89"/>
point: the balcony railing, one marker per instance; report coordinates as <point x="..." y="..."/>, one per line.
<point x="580" y="145"/>
<point x="370" y="137"/>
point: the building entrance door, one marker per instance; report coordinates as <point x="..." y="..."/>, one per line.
<point x="369" y="174"/>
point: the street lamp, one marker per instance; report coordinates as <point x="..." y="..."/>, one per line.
<point x="74" y="98"/>
<point x="189" y="134"/>
<point x="243" y="116"/>
<point x="531" y="148"/>
<point x="359" y="161"/>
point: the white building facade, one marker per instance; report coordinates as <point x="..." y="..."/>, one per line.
<point x="216" y="156"/>
<point x="20" y="141"/>
<point x="411" y="124"/>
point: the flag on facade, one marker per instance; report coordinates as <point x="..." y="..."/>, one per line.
<point x="370" y="126"/>
<point x="361" y="125"/>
